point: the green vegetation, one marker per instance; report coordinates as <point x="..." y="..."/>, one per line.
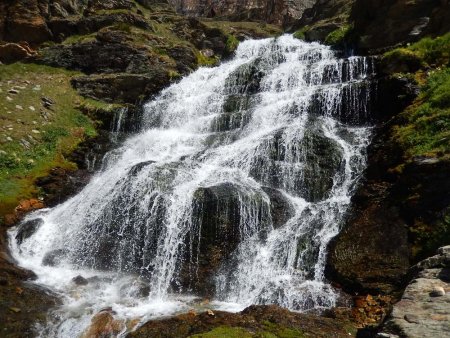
<point x="36" y="136"/>
<point x="339" y="35"/>
<point x="426" y="130"/>
<point x="232" y="44"/>
<point x="256" y="29"/>
<point x="205" y="61"/>
<point x="270" y="330"/>
<point x="427" y="52"/>
<point x="426" y="239"/>
<point x="300" y="34"/>
<point x="225" y="332"/>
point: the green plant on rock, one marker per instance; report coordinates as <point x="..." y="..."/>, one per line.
<point x="206" y="61"/>
<point x="300" y="34"/>
<point x="339" y="35"/>
<point x="231" y="44"/>
<point x="426" y="127"/>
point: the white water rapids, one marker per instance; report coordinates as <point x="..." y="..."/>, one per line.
<point x="265" y="148"/>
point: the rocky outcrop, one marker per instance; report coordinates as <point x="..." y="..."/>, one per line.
<point x="423" y="310"/>
<point x="266" y="321"/>
<point x="13" y="52"/>
<point x="280" y="12"/>
<point x="384" y="24"/>
<point x="373" y="26"/>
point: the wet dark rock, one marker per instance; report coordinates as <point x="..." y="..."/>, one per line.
<point x="138" y="167"/>
<point x="136" y="289"/>
<point x="80" y="280"/>
<point x="281" y="209"/>
<point x="217" y="234"/>
<point x="322" y="161"/>
<point x="27" y="229"/>
<point x="54" y="257"/>
<point x="61" y="183"/>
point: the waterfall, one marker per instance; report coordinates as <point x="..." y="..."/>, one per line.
<point x="240" y="176"/>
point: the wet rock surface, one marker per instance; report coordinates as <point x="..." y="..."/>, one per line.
<point x="424" y="310"/>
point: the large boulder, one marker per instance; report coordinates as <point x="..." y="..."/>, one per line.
<point x="423" y="310"/>
<point x="27" y="229"/>
<point x="25" y="21"/>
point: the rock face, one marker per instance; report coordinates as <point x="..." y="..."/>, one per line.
<point x="424" y="310"/>
<point x="375" y="25"/>
<point x="265" y="321"/>
<point x="383" y="24"/>
<point x="218" y="209"/>
<point x="280" y="12"/>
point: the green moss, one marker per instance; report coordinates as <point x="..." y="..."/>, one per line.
<point x="424" y="53"/>
<point x="256" y="29"/>
<point x="300" y="34"/>
<point x="225" y="332"/>
<point x="79" y="39"/>
<point x="232" y="44"/>
<point x="33" y="138"/>
<point x="338" y="36"/>
<point x="426" y="127"/>
<point x="426" y="239"/>
<point x="269" y="330"/>
<point x="204" y="61"/>
<point x="275" y="330"/>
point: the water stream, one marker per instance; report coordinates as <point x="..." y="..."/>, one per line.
<point x="239" y="178"/>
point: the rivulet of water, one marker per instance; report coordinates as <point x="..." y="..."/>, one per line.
<point x="280" y="130"/>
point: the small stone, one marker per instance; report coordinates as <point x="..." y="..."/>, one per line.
<point x="34" y="131"/>
<point x="30" y="161"/>
<point x="438" y="291"/>
<point x="37" y="88"/>
<point x="10" y="128"/>
<point x="2" y="152"/>
<point x="32" y="108"/>
<point x="210" y="313"/>
<point x="34" y="122"/>
<point x="15" y="309"/>
<point x="9" y="139"/>
<point x="13" y="91"/>
<point x="80" y="280"/>
<point x="9" y="99"/>
<point x="19" y="107"/>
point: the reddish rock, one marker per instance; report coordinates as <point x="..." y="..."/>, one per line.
<point x="12" y="52"/>
<point x="103" y="324"/>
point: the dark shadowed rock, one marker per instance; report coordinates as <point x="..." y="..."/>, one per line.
<point x="54" y="257"/>
<point x="402" y="21"/>
<point x="122" y="87"/>
<point x="27" y="229"/>
<point x="80" y="280"/>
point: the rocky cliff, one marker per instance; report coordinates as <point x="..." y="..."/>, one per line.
<point x="279" y="12"/>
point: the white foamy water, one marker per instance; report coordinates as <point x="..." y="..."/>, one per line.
<point x="284" y="120"/>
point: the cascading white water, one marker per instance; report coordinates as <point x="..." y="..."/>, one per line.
<point x="276" y="136"/>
